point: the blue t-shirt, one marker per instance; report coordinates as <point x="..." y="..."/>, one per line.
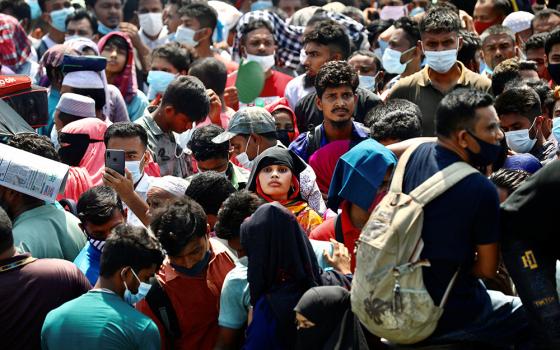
<point x="463" y="217"/>
<point x="98" y="320"/>
<point x="88" y="262"/>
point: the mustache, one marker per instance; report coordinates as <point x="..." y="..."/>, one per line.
<point x="336" y="110"/>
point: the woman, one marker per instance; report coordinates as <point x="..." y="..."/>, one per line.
<point x="117" y="48"/>
<point x="285" y="118"/>
<point x="275" y="177"/>
<point x="282" y="266"/>
<point x="83" y="149"/>
<point x="325" y="321"/>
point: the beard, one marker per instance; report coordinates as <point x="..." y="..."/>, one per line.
<point x="308" y="80"/>
<point x="340" y="124"/>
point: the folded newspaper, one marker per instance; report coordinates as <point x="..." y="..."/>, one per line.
<point x="31" y="174"/>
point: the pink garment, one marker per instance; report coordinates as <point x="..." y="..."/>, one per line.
<point x="126" y="81"/>
<point x="323" y="162"/>
<point x="78" y="182"/>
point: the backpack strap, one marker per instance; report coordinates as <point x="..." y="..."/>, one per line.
<point x="313" y="140"/>
<point x="441" y="182"/>
<point x="398" y="175"/>
<point x="161" y="306"/>
<point x="338" y="234"/>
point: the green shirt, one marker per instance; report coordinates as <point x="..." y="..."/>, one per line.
<point x="98" y="320"/>
<point x="49" y="232"/>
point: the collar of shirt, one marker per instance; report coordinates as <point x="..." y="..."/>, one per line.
<point x="425" y="78"/>
<point x="156" y="130"/>
<point x="357" y="134"/>
<point x="144" y="183"/>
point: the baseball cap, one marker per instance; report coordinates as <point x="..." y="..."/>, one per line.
<point x="250" y="120"/>
<point x="76" y="105"/>
<point x="523" y="161"/>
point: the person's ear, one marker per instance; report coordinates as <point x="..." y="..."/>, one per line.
<point x="460" y="43"/>
<point x="318" y="103"/>
<point x="169" y="111"/>
<point x="462" y="138"/>
<point x="419" y="46"/>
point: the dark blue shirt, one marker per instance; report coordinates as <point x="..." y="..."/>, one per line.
<point x="464" y="216"/>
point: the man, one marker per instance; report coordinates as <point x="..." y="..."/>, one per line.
<point x="288" y="6"/>
<point x="72" y="107"/>
<point x="442" y="73"/>
<point x="54" y="14"/>
<point x="552" y="52"/>
<point x="528" y="71"/>
<point x="490" y="12"/>
<point x="519" y="109"/>
<point x="20" y="10"/>
<point x="109" y="14"/>
<point x="369" y="68"/>
<point x="468" y="130"/>
<point x="199" y="21"/>
<point x="100" y="210"/>
<point x="253" y="130"/>
<point x="470" y="53"/>
<point x="90" y="84"/>
<point x="546" y="21"/>
<point x="130" y="258"/>
<point x="191" y="276"/>
<point x="212" y="156"/>
<point x="258" y="45"/>
<point x="44" y="283"/>
<point x="171" y="17"/>
<point x="132" y="188"/>
<point x="163" y="191"/>
<point x="327" y="41"/>
<point x="171" y="58"/>
<point x="83" y="24"/>
<point x="336" y="98"/>
<point x="183" y="103"/>
<point x="520" y="23"/>
<point x="41" y="229"/>
<point x="152" y="32"/>
<point x="395" y="121"/>
<point x="498" y="44"/>
<point x="534" y="51"/>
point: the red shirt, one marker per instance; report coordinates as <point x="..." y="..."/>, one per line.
<point x="196" y="300"/>
<point x="274" y="86"/>
<point x="325" y="232"/>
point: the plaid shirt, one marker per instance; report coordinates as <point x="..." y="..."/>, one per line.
<point x="15" y="46"/>
<point x="289" y="38"/>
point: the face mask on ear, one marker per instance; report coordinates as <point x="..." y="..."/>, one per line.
<point x="151" y="23"/>
<point x="519" y="140"/>
<point x="243" y="158"/>
<point x="487" y="155"/>
<point x="143" y="289"/>
<point x="185" y="36"/>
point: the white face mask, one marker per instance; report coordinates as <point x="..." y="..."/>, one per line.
<point x="392" y="61"/>
<point x="441" y="61"/>
<point x="185" y="36"/>
<point x="134" y="167"/>
<point x="266" y="62"/>
<point x="367" y="82"/>
<point x="519" y="140"/>
<point x="151" y="23"/>
<point x="243" y="158"/>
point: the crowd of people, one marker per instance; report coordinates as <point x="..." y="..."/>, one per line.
<point x="264" y="143"/>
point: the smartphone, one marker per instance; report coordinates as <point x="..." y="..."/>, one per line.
<point x="114" y="159"/>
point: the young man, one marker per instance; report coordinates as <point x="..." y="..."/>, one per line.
<point x="183" y="103"/>
<point x="171" y="17"/>
<point x="132" y="188"/>
<point x="490" y="12"/>
<point x="470" y="53"/>
<point x="520" y="23"/>
<point x="109" y="14"/>
<point x="191" y="275"/>
<point x="468" y="131"/>
<point x="289" y="7"/>
<point x="130" y="258"/>
<point x="72" y="107"/>
<point x="369" y="68"/>
<point x="440" y="42"/>
<point x="498" y="44"/>
<point x="336" y="86"/>
<point x="395" y="121"/>
<point x="519" y="109"/>
<point x="546" y="21"/>
<point x="327" y="41"/>
<point x="258" y="45"/>
<point x="212" y="156"/>
<point x="171" y="58"/>
<point x="41" y="229"/>
<point x="152" y="31"/>
<point x="100" y="210"/>
<point x="534" y="51"/>
<point x="54" y="14"/>
<point x="44" y="283"/>
<point x="552" y="51"/>
<point x="83" y="24"/>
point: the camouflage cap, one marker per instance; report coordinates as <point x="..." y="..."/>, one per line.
<point x="250" y="120"/>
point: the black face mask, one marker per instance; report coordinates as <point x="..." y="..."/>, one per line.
<point x="488" y="154"/>
<point x="554" y="71"/>
<point x="283" y="137"/>
<point x="499" y="163"/>
<point x="75" y="149"/>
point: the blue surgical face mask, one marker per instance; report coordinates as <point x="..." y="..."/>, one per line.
<point x="441" y="61"/>
<point x="556" y="128"/>
<point x="392" y="61"/>
<point x="134" y="167"/>
<point x="367" y="82"/>
<point x="158" y="81"/>
<point x="261" y="5"/>
<point x="104" y="30"/>
<point x="196" y="269"/>
<point x="185" y="35"/>
<point x="383" y="45"/>
<point x="58" y="18"/>
<point x="143" y="289"/>
<point x="35" y="9"/>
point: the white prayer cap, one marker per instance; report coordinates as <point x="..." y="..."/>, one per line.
<point x="76" y="105"/>
<point x="172" y="184"/>
<point x="83" y="79"/>
<point x="518" y="21"/>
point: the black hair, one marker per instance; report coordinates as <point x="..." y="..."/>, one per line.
<point x="398" y="119"/>
<point x="522" y="100"/>
<point x="98" y="204"/>
<point x="178" y="56"/>
<point x="98" y="95"/>
<point x="503" y="7"/>
<point x="354" y="13"/>
<point x="335" y="74"/>
<point x="235" y="209"/>
<point x="80" y="14"/>
<point x="210" y="189"/>
<point x="440" y="19"/>
<point x="254" y="25"/>
<point x="376" y="27"/>
<point x="119" y="42"/>
<point x="66" y="118"/>
<point x="544" y="14"/>
<point x="126" y="130"/>
<point x="410" y="29"/>
<point x="330" y="34"/>
<point x="18" y="8"/>
<point x="183" y="221"/>
<point x="546" y="94"/>
<point x="37" y="144"/>
<point x="528" y="65"/>
<point x="368" y="53"/>
<point x="211" y="72"/>
<point x="504" y="72"/>
<point x="457" y="110"/>
<point x="202" y="146"/>
<point x="129" y="246"/>
<point x="509" y="179"/>
<point x="6" y="236"/>
<point x="188" y="96"/>
<point x="471" y="44"/>
<point x="90" y="3"/>
<point x="536" y="41"/>
<point x="498" y="29"/>
<point x="203" y="13"/>
<point x="553" y="39"/>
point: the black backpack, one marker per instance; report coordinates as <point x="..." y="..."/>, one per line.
<point x="161" y="306"/>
